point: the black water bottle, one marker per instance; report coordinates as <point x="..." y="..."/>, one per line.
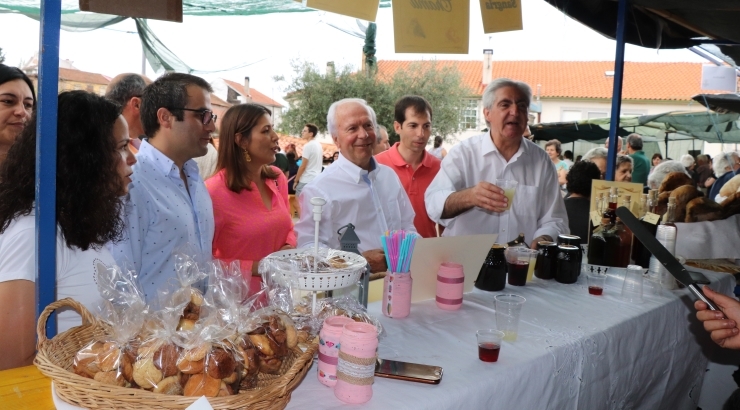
<point x="492" y="275"/>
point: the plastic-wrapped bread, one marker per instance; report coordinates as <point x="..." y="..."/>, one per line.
<point x="703" y="209"/>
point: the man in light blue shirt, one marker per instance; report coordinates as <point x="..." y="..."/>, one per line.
<point x="168" y="205"/>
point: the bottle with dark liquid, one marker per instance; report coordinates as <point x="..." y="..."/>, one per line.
<point x="622" y="249"/>
<point x="492" y="275"/>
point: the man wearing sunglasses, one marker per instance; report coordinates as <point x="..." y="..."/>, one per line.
<point x="168" y="205"/>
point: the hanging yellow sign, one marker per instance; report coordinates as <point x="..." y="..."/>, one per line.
<point x="501" y="15"/>
<point x="431" y="26"/>
<point x="361" y="9"/>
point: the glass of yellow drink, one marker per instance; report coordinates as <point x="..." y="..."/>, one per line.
<point x="509" y="187"/>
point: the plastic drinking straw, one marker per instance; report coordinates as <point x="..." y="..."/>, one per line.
<point x="385" y="249"/>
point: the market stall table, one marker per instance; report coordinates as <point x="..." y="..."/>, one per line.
<point x="574" y="351"/>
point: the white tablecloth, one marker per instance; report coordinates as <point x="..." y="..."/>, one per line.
<point x="574" y="351"/>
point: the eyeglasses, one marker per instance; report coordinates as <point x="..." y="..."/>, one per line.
<point x="206" y="116"/>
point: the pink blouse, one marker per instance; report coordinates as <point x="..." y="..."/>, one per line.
<point x="245" y="229"/>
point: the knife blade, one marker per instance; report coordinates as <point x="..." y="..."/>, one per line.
<point x="662" y="254"/>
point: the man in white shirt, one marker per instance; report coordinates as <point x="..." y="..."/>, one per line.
<point x="168" y="205"/>
<point x="463" y="196"/>
<point x="356" y="188"/>
<point x="313" y="156"/>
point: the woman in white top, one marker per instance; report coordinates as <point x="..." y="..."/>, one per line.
<point x="93" y="172"/>
<point x="553" y="150"/>
<point x="438" y="151"/>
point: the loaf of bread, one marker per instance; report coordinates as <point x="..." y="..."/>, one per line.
<point x="673" y="181"/>
<point x="683" y="195"/>
<point x="731" y="205"/>
<point x="730" y="187"/>
<point x="703" y="209"/>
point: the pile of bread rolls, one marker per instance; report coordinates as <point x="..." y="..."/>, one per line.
<point x="210" y="368"/>
<point x="690" y="205"/>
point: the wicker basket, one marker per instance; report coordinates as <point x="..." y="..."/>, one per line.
<point x="55" y="359"/>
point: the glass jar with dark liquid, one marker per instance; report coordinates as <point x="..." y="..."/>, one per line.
<point x="492" y="275"/>
<point x="547" y="260"/>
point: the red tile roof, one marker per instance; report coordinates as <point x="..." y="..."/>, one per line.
<point x="82" y="76"/>
<point x="257" y="96"/>
<point x="580" y="79"/>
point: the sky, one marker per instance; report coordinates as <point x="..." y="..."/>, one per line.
<point x="272" y="42"/>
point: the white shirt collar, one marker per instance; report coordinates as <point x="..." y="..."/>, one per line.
<point x="356" y="173"/>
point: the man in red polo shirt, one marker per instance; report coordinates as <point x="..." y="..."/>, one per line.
<point x="413" y="165"/>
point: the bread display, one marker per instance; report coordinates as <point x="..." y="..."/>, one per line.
<point x="674" y="180"/>
<point x="731" y="205"/>
<point x="703" y="209"/>
<point x="683" y="195"/>
<point x="730" y="187"/>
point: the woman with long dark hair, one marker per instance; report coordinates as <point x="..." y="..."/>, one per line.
<point x="250" y="197"/>
<point x="93" y="173"/>
<point x="17" y="101"/>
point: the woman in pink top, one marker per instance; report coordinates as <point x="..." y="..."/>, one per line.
<point x="250" y="197"/>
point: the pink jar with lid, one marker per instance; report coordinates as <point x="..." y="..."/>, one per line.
<point x="356" y="366"/>
<point x="450" y="283"/>
<point x="397" y="295"/>
<point x="331" y="332"/>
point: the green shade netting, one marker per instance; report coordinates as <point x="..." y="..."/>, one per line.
<point x="159" y="56"/>
<point x="706" y="126"/>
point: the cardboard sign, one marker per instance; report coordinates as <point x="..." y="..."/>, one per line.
<point x="633" y="189"/>
<point x="501" y="15"/>
<point x="431" y="26"/>
<point x="467" y="250"/>
<point x="718" y="78"/>
<point x="168" y="10"/>
<point x="361" y="9"/>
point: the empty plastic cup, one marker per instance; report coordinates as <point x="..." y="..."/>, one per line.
<point x="632" y="286"/>
<point x="508" y="311"/>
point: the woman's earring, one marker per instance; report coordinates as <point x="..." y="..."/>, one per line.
<point x="246" y="156"/>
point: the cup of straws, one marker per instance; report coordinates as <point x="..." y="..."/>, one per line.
<point x="398" y="247"/>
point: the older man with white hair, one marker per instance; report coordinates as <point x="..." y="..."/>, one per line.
<point x="598" y="156"/>
<point x="662" y="170"/>
<point x="357" y="189"/>
<point x="464" y="196"/>
<point x="722" y="167"/>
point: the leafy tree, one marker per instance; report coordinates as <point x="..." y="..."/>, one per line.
<point x="311" y="93"/>
<point x="2" y="56"/>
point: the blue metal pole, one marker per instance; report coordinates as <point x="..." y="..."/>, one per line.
<point x="617" y="90"/>
<point x="46" y="159"/>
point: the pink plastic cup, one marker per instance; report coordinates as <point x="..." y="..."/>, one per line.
<point x="450" y="282"/>
<point x="397" y="295"/>
<point x="356" y="367"/>
<point x="331" y="332"/>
